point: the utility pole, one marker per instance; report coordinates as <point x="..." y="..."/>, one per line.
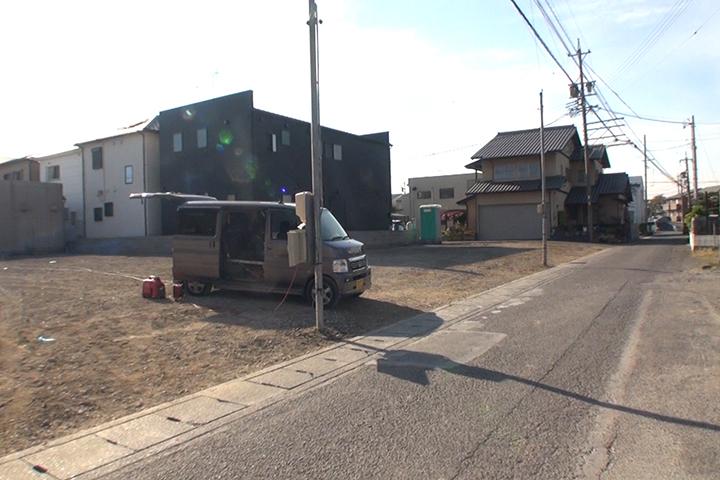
<point x="542" y="183"/>
<point x="696" y="195"/>
<point x="316" y="154"/>
<point x="645" y="186"/>
<point x="687" y="186"/>
<point x="586" y="154"/>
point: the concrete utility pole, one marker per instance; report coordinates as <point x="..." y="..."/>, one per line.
<point x="316" y="154"/>
<point x="542" y="183"/>
<point x="645" y="186"/>
<point x="696" y="195"/>
<point x="687" y="186"/>
<point x="586" y="153"/>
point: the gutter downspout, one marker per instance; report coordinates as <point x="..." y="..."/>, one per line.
<point x="82" y="167"/>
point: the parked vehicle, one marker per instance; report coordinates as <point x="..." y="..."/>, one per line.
<point x="240" y="245"/>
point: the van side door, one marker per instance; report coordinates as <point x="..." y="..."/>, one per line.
<point x="196" y="247"/>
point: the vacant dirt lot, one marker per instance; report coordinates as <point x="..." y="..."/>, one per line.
<point x="111" y="352"/>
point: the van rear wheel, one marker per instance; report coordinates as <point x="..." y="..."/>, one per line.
<point x="198" y="289"/>
<point x="331" y="295"/>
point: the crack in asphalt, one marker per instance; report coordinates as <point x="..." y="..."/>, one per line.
<point x="461" y="465"/>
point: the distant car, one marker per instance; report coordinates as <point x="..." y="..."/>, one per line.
<point x="663" y="225"/>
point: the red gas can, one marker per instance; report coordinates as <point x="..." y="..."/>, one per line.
<point x="178" y="291"/>
<point x="153" y="287"/>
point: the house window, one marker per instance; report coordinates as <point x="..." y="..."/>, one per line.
<point x="337" y="152"/>
<point x="423" y="194"/>
<point x="285" y="137"/>
<point x="129" y="174"/>
<point x="97" y="159"/>
<point x="202" y="137"/>
<point x="97" y="212"/>
<point x="516" y="171"/>
<point x="53" y="172"/>
<point x="273" y="142"/>
<point x="109" y="209"/>
<point x="177" y="142"/>
<point x="447" y="193"/>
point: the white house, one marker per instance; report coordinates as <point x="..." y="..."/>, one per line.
<point x="444" y="190"/>
<point x="123" y="162"/>
<point x="637" y="208"/>
<point x="66" y="168"/>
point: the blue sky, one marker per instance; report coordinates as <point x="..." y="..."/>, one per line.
<point x="442" y="77"/>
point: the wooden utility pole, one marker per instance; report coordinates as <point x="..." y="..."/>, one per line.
<point x="542" y="183"/>
<point x="316" y="155"/>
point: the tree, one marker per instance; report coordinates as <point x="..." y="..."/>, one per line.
<point x="655" y="205"/>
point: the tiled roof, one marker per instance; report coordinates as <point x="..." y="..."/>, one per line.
<point x="551" y="183"/>
<point x="607" y="184"/>
<point x="523" y="143"/>
<point x="598" y="153"/>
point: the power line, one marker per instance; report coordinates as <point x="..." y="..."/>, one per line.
<point x="547" y="49"/>
<point x="657" y="32"/>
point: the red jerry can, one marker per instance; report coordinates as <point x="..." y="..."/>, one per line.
<point x="178" y="291"/>
<point x="153" y="287"/>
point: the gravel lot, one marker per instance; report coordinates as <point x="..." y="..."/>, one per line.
<point x="113" y="353"/>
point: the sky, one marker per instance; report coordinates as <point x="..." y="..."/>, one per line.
<point x="442" y="77"/>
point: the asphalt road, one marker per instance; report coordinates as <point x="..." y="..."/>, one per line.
<point x="608" y="372"/>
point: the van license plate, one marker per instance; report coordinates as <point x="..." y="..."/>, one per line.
<point x="360" y="284"/>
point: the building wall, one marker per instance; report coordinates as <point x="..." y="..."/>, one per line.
<point x="401" y="204"/>
<point x="152" y="183"/>
<point x="555" y="164"/>
<point x="356" y="183"/>
<point x="460" y="184"/>
<point x="107" y="185"/>
<point x="34" y="210"/>
<point x="243" y="162"/>
<point x="70" y="164"/>
<point x="610" y="210"/>
<point x="28" y="169"/>
<point x="636" y="208"/>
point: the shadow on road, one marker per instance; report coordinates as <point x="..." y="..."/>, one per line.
<point x="413" y="367"/>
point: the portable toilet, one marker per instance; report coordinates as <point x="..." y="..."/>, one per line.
<point x="430" y="223"/>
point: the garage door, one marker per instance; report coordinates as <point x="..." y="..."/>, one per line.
<point x="509" y="222"/>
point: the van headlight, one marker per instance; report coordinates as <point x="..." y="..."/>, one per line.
<point x="340" y="266"/>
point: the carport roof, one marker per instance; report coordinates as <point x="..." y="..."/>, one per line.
<point x="555" y="182"/>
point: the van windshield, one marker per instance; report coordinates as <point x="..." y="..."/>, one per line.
<point x="330" y="228"/>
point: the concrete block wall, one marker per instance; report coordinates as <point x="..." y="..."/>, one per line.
<point x="31" y="218"/>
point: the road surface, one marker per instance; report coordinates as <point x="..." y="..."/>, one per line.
<point x="610" y="371"/>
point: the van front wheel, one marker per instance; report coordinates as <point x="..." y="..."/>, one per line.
<point x="198" y="289"/>
<point x="330" y="292"/>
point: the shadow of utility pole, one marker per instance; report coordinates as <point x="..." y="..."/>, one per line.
<point x="413" y="366"/>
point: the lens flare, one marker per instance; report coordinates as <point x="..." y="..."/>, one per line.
<point x="225" y="137"/>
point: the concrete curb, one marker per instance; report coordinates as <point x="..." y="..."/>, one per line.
<point x="102" y="449"/>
